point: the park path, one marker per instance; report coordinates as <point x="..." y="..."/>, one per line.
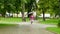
<point x="26" y="28"/>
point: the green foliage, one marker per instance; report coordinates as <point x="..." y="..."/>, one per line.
<point x="15" y="6"/>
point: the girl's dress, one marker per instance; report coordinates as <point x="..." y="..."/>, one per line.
<point x="31" y="18"/>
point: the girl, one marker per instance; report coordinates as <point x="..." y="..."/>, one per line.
<point x="31" y="18"/>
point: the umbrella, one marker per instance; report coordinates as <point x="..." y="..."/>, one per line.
<point x="30" y="12"/>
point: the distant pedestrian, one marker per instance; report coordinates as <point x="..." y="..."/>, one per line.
<point x="31" y="18"/>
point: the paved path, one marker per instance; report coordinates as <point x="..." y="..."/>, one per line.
<point x="38" y="25"/>
<point x="26" y="28"/>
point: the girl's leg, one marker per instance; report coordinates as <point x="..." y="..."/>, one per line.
<point x="31" y="22"/>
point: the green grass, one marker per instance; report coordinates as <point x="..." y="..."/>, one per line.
<point x="11" y="20"/>
<point x="1" y="25"/>
<point x="49" y="21"/>
<point x="17" y="20"/>
<point x="54" y="29"/>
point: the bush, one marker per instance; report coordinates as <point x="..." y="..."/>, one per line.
<point x="59" y="23"/>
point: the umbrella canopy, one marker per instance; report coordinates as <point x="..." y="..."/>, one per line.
<point x="30" y="13"/>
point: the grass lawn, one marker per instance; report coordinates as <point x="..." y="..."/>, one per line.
<point x="11" y="20"/>
<point x="54" y="29"/>
<point x="17" y="20"/>
<point x="49" y="21"/>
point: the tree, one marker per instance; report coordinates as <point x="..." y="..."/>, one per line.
<point x="30" y="6"/>
<point x="23" y="9"/>
<point x="7" y="6"/>
<point x="17" y="6"/>
<point x="2" y="7"/>
<point x="43" y="5"/>
<point x="54" y="6"/>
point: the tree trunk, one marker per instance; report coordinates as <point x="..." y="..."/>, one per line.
<point x="29" y="10"/>
<point x="12" y="15"/>
<point x="43" y="15"/>
<point x="59" y="15"/>
<point x="55" y="15"/>
<point x="17" y="13"/>
<point x="23" y="18"/>
<point x="9" y="15"/>
<point x="3" y="14"/>
<point x="23" y="10"/>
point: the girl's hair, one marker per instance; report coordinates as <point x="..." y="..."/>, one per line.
<point x="30" y="14"/>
